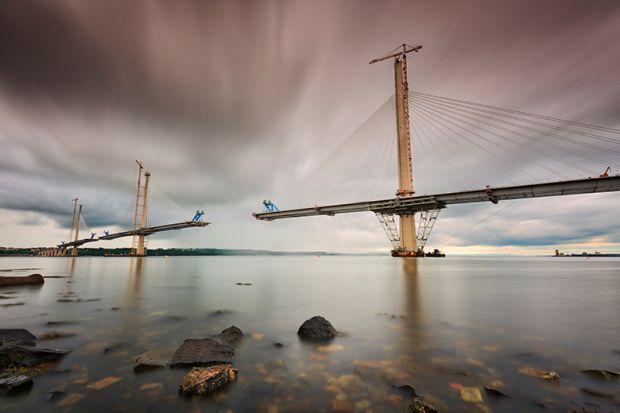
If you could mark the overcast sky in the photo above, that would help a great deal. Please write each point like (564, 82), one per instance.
(228, 103)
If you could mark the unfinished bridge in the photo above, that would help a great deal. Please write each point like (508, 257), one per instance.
(138, 234)
(472, 131)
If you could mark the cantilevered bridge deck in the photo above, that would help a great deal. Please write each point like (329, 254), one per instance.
(141, 231)
(413, 204)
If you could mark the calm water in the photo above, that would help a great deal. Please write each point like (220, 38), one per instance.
(436, 324)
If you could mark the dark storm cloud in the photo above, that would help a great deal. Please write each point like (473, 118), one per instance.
(228, 102)
(54, 201)
(220, 69)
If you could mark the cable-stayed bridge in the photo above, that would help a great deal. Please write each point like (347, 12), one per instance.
(140, 230)
(485, 140)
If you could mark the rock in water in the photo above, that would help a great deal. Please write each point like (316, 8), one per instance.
(53, 335)
(231, 336)
(202, 352)
(14, 383)
(602, 374)
(407, 390)
(30, 279)
(207, 380)
(317, 328)
(146, 361)
(16, 336)
(56, 395)
(419, 405)
(545, 375)
(26, 356)
(596, 393)
(494, 392)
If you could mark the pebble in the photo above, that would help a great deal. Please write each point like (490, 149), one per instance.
(70, 399)
(341, 405)
(471, 394)
(151, 386)
(331, 348)
(103, 383)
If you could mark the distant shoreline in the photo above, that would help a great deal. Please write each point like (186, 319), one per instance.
(179, 252)
(224, 252)
(585, 255)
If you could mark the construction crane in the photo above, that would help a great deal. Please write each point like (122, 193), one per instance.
(269, 206)
(198, 215)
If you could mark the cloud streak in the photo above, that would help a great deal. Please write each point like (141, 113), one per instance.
(230, 102)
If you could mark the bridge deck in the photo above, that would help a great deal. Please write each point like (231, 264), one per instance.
(412, 204)
(144, 231)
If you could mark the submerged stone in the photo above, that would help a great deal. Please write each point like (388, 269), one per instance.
(258, 336)
(330, 348)
(103, 383)
(27, 356)
(217, 313)
(494, 392)
(602, 374)
(16, 336)
(596, 393)
(471, 394)
(113, 347)
(59, 323)
(317, 328)
(419, 405)
(70, 399)
(146, 361)
(545, 375)
(450, 370)
(202, 352)
(341, 405)
(53, 335)
(207, 380)
(407, 390)
(14, 383)
(56, 395)
(231, 336)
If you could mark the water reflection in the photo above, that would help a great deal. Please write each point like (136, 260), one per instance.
(134, 281)
(412, 297)
(400, 318)
(414, 335)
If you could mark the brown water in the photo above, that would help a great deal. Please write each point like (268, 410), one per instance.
(436, 324)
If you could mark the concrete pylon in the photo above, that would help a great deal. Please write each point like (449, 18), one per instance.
(74, 251)
(408, 243)
(140, 251)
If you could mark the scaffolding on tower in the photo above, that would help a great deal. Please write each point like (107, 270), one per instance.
(140, 213)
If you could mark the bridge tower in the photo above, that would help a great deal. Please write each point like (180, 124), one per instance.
(73, 219)
(74, 251)
(407, 244)
(139, 217)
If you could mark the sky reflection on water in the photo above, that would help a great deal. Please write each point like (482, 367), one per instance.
(436, 324)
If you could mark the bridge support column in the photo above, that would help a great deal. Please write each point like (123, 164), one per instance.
(408, 240)
(74, 251)
(408, 244)
(140, 250)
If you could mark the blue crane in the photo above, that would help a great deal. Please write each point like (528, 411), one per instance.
(198, 215)
(270, 206)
